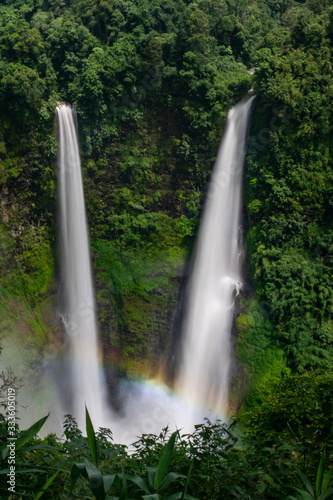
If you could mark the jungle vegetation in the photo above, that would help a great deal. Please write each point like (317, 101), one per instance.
(152, 81)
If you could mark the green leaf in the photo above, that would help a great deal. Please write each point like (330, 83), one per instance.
(151, 475)
(304, 494)
(164, 461)
(3, 447)
(91, 438)
(327, 494)
(170, 478)
(135, 478)
(187, 479)
(305, 481)
(4, 451)
(76, 471)
(46, 486)
(320, 473)
(154, 496)
(326, 480)
(95, 479)
(25, 436)
(123, 493)
(261, 488)
(108, 480)
(285, 447)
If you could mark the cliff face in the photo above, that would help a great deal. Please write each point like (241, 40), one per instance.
(138, 242)
(151, 88)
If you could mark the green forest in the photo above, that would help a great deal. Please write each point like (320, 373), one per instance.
(152, 82)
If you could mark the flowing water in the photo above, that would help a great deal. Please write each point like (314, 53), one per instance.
(215, 278)
(84, 381)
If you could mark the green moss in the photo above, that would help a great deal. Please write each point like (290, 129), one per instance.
(262, 357)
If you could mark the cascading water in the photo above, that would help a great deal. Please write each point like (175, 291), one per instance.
(204, 370)
(86, 383)
(215, 278)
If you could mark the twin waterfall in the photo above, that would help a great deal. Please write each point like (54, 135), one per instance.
(86, 384)
(215, 277)
(203, 374)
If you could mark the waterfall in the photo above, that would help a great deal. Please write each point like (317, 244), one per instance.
(84, 382)
(210, 294)
(215, 277)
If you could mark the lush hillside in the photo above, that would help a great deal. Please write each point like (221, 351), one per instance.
(289, 192)
(149, 83)
(152, 82)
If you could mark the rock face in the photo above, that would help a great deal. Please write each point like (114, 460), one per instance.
(137, 336)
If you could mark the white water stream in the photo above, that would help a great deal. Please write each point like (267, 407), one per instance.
(86, 383)
(215, 277)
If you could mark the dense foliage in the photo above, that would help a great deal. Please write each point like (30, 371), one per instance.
(151, 81)
(290, 186)
(261, 455)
